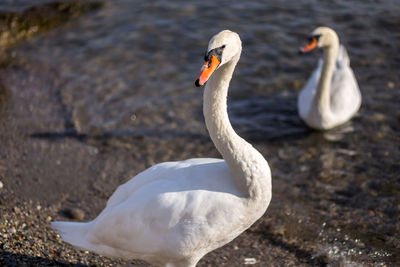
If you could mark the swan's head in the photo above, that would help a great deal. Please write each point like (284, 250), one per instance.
(321, 37)
(222, 48)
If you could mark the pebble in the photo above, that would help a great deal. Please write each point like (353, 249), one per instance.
(390, 85)
(250, 261)
(16, 209)
(333, 136)
(283, 154)
(74, 213)
(6, 245)
(1, 185)
(378, 117)
(303, 168)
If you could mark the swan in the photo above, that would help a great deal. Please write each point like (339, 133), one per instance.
(174, 213)
(331, 96)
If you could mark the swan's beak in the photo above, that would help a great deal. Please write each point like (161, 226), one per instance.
(312, 43)
(207, 70)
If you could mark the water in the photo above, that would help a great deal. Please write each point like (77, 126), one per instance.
(120, 82)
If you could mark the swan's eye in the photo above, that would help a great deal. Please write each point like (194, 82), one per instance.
(207, 56)
(313, 38)
(217, 52)
(317, 37)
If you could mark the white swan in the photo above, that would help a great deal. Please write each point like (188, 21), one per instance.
(174, 213)
(331, 96)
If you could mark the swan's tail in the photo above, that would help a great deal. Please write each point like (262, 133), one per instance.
(74, 233)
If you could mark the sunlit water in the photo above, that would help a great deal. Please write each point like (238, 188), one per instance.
(128, 70)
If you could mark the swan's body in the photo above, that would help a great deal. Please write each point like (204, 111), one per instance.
(173, 213)
(331, 96)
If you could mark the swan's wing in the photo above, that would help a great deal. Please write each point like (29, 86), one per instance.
(192, 203)
(306, 94)
(342, 60)
(345, 93)
(151, 174)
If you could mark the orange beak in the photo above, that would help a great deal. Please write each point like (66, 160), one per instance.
(312, 43)
(207, 70)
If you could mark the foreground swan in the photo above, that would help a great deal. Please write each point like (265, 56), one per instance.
(174, 213)
(331, 96)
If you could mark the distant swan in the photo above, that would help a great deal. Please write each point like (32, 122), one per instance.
(174, 213)
(331, 96)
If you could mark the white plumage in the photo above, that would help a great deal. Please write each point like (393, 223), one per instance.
(331, 95)
(173, 213)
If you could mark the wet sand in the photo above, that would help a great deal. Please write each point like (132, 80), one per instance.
(77, 120)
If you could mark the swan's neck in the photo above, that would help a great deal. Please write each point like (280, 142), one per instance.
(322, 95)
(248, 167)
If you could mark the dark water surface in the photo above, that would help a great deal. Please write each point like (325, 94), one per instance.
(93, 102)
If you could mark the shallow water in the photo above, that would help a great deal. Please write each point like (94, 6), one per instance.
(120, 80)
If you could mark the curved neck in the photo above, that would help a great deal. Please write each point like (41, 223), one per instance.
(248, 167)
(322, 95)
